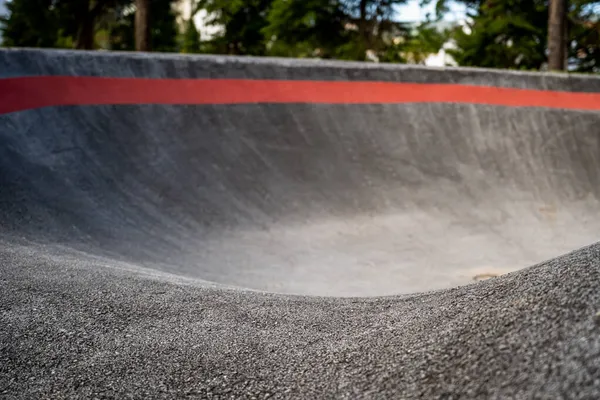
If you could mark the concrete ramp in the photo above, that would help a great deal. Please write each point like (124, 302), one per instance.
(153, 176)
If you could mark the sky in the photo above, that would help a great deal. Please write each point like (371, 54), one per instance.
(412, 12)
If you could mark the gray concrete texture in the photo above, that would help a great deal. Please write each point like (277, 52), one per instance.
(297, 250)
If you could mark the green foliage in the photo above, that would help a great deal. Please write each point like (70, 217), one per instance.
(30, 23)
(513, 34)
(500, 33)
(306, 28)
(375, 31)
(424, 41)
(163, 26)
(61, 23)
(585, 51)
(190, 38)
(584, 29)
(122, 28)
(64, 41)
(241, 23)
(50, 23)
(163, 32)
(504, 34)
(342, 29)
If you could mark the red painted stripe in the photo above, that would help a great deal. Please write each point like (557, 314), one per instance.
(24, 93)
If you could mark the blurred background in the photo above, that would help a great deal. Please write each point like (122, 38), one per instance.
(508, 34)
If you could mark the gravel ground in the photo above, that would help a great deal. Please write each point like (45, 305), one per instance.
(76, 326)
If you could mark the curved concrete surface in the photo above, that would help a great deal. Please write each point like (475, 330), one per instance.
(148, 206)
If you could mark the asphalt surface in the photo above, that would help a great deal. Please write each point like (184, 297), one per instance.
(296, 250)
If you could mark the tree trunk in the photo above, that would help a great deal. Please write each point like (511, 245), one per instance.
(567, 42)
(362, 8)
(85, 28)
(85, 33)
(557, 35)
(86, 18)
(142, 25)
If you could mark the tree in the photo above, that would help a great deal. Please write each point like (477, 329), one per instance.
(345, 29)
(46, 23)
(375, 26)
(86, 13)
(516, 34)
(56, 23)
(142, 25)
(504, 34)
(426, 39)
(583, 31)
(241, 23)
(77, 19)
(162, 27)
(30, 23)
(191, 38)
(342, 29)
(557, 38)
(306, 28)
(76, 24)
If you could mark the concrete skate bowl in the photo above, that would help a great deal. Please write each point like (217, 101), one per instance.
(234, 227)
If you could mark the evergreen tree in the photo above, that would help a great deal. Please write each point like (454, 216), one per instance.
(504, 34)
(162, 21)
(345, 29)
(241, 23)
(190, 38)
(75, 23)
(30, 23)
(307, 28)
(514, 34)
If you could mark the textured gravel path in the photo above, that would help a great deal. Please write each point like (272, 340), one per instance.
(71, 326)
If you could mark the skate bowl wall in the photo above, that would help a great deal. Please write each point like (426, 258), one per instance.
(219, 227)
(299, 177)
